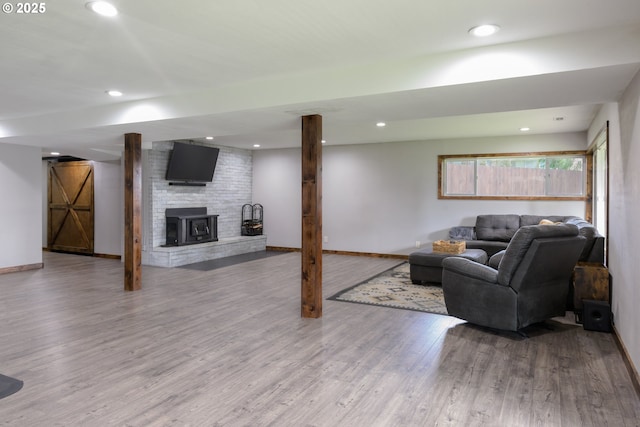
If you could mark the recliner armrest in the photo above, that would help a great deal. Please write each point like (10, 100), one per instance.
(494, 261)
(471, 269)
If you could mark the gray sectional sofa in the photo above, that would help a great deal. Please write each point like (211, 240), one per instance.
(492, 233)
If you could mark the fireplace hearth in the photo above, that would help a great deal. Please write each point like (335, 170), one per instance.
(188, 226)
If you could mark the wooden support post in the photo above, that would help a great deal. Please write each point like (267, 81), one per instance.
(132, 211)
(311, 216)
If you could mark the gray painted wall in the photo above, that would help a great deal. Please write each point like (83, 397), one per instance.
(382, 198)
(21, 195)
(109, 208)
(624, 205)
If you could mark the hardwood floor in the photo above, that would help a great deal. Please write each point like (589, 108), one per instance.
(228, 347)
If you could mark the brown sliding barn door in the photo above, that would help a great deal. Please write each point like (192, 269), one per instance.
(70, 222)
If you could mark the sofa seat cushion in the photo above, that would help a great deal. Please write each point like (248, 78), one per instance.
(426, 265)
(427, 257)
(490, 247)
(497, 227)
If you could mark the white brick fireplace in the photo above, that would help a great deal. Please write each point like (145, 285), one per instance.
(224, 196)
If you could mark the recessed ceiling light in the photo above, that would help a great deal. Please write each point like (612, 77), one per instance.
(55, 153)
(114, 93)
(484, 30)
(102, 8)
(525, 129)
(256, 145)
(209, 138)
(381, 124)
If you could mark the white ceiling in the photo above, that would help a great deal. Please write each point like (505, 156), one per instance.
(244, 71)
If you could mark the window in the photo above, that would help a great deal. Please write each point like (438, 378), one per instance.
(559, 176)
(600, 186)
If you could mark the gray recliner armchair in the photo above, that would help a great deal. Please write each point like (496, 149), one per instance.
(530, 283)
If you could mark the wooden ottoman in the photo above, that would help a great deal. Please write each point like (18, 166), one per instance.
(425, 265)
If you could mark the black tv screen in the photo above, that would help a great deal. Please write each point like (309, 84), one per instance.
(192, 163)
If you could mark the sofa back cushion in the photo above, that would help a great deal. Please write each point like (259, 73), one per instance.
(592, 249)
(589, 232)
(497, 227)
(535, 219)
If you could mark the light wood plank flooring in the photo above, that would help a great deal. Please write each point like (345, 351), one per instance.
(227, 347)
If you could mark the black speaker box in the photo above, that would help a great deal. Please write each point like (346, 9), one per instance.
(596, 316)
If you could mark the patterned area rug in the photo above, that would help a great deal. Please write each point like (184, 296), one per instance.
(393, 288)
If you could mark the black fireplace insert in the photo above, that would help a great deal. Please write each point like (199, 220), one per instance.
(187, 226)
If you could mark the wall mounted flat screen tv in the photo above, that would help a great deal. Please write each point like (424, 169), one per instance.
(192, 163)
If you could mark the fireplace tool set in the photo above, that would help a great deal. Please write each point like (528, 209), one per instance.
(252, 219)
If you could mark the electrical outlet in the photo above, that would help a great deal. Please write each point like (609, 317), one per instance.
(326, 239)
(417, 243)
